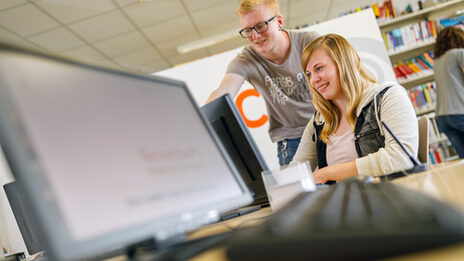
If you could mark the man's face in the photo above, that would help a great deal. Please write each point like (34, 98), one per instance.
(262, 42)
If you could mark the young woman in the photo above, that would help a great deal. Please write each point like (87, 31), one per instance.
(345, 136)
(449, 77)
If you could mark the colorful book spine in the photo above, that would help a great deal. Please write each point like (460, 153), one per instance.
(423, 97)
(411, 35)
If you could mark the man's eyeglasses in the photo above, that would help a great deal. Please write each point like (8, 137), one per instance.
(259, 28)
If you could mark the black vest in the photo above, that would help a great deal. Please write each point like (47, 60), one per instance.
(366, 133)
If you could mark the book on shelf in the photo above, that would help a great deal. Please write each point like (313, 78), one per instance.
(429, 56)
(436, 154)
(440, 148)
(441, 152)
(423, 97)
(384, 11)
(410, 35)
(452, 21)
(413, 67)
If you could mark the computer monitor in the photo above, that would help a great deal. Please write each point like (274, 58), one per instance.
(26, 224)
(108, 158)
(239, 144)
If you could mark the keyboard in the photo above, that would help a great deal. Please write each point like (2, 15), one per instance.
(350, 220)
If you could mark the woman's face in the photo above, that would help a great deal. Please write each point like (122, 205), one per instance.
(323, 75)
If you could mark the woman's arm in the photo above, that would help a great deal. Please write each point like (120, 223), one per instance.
(307, 148)
(335, 172)
(397, 112)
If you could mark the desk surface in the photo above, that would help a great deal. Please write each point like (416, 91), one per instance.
(444, 182)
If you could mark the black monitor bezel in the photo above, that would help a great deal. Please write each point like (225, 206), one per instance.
(224, 108)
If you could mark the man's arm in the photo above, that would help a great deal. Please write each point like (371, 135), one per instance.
(231, 84)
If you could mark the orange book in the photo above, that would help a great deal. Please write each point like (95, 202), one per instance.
(427, 56)
(405, 68)
(413, 66)
(434, 28)
(413, 99)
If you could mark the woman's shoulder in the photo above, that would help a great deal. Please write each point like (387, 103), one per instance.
(455, 50)
(450, 54)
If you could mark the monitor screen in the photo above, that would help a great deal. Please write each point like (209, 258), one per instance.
(239, 144)
(108, 158)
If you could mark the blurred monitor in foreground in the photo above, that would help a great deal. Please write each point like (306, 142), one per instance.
(106, 158)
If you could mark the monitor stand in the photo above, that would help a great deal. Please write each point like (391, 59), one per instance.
(177, 248)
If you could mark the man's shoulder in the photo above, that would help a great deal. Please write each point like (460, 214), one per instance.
(303, 34)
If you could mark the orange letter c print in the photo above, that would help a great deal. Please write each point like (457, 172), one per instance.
(239, 102)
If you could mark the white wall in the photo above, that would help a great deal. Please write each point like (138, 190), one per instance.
(203, 76)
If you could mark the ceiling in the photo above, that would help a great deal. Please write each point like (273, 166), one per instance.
(141, 35)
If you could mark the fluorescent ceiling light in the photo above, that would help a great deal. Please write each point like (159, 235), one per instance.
(208, 41)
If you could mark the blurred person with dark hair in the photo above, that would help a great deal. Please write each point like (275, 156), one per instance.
(449, 77)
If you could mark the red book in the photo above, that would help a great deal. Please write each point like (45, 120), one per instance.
(407, 69)
(403, 71)
(398, 74)
(437, 155)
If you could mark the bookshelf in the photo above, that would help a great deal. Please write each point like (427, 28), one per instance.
(417, 80)
(437, 10)
(409, 49)
(396, 56)
(445, 9)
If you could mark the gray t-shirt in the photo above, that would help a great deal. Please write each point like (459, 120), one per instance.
(450, 82)
(283, 86)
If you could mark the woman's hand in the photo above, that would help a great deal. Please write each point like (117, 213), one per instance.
(335, 172)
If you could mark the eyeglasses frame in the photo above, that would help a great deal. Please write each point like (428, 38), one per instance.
(254, 27)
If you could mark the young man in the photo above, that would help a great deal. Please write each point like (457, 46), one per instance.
(272, 64)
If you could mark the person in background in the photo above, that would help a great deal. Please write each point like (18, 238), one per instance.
(345, 136)
(271, 64)
(448, 71)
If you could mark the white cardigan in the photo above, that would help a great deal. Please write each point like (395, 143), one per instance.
(397, 112)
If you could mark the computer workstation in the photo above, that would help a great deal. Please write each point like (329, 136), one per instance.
(108, 160)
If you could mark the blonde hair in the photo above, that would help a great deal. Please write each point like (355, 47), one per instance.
(247, 6)
(354, 79)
